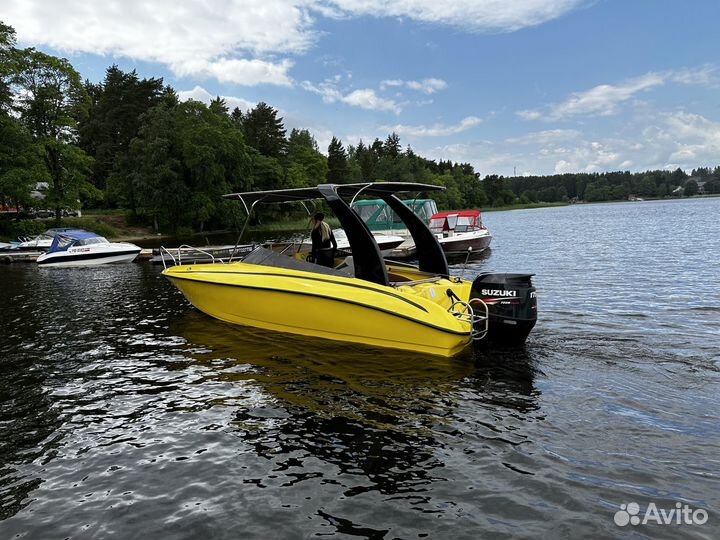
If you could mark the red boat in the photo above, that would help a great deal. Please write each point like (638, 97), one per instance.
(460, 230)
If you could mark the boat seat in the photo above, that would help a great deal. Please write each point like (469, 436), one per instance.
(267, 257)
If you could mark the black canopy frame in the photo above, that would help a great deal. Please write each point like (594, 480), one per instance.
(368, 261)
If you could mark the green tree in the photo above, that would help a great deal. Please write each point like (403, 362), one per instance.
(264, 131)
(183, 159)
(619, 192)
(8, 64)
(237, 117)
(20, 164)
(647, 187)
(691, 188)
(713, 185)
(392, 145)
(366, 159)
(50, 100)
(114, 118)
(218, 106)
(306, 165)
(337, 162)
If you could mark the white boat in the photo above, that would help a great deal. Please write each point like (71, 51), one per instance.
(460, 231)
(83, 248)
(385, 242)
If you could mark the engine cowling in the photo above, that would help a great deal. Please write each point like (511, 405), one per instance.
(512, 306)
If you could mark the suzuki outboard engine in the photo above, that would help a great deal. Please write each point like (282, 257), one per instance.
(512, 306)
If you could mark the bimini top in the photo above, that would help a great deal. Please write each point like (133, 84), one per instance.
(368, 262)
(459, 213)
(64, 241)
(377, 189)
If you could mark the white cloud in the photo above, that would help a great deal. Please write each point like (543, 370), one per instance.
(656, 141)
(544, 137)
(239, 71)
(365, 98)
(704, 75)
(426, 86)
(529, 115)
(236, 40)
(605, 99)
(200, 94)
(227, 39)
(436, 130)
(474, 15)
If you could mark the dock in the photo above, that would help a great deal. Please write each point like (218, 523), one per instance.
(193, 255)
(19, 256)
(186, 255)
(406, 250)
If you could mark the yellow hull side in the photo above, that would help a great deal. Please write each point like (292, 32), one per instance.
(329, 307)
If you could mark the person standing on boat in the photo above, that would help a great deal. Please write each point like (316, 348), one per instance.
(323, 241)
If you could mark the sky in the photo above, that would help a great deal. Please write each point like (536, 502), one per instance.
(512, 87)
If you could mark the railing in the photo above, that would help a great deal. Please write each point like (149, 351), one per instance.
(464, 311)
(177, 261)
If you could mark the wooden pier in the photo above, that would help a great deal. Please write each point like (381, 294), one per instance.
(19, 256)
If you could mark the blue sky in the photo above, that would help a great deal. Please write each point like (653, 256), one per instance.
(536, 86)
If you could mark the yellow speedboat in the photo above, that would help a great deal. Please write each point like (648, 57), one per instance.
(363, 299)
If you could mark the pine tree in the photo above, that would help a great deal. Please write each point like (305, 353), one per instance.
(337, 162)
(392, 145)
(264, 131)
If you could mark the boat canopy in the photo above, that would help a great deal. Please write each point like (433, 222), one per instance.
(379, 216)
(368, 261)
(457, 220)
(464, 213)
(64, 241)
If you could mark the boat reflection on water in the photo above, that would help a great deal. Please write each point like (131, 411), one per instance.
(382, 417)
(314, 373)
(322, 376)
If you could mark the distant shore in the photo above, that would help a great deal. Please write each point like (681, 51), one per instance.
(524, 206)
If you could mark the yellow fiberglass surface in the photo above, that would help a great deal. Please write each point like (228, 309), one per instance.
(410, 316)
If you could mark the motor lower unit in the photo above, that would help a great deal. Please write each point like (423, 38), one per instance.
(512, 306)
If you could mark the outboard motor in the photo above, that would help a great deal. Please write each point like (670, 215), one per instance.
(512, 306)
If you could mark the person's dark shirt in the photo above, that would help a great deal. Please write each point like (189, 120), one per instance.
(321, 249)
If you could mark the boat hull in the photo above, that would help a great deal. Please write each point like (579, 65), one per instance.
(462, 243)
(328, 307)
(91, 259)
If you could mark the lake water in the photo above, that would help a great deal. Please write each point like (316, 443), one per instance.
(125, 413)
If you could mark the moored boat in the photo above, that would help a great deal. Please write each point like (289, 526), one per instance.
(83, 248)
(385, 242)
(460, 231)
(360, 299)
(41, 242)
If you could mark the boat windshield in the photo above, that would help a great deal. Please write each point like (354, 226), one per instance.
(93, 240)
(62, 242)
(378, 216)
(438, 224)
(464, 224)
